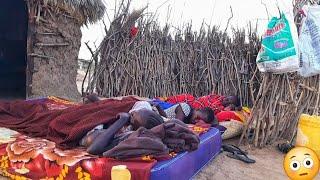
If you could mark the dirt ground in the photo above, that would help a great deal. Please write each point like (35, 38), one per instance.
(268, 166)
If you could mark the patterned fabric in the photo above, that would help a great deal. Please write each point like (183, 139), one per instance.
(22, 157)
(213, 101)
(170, 112)
(180, 98)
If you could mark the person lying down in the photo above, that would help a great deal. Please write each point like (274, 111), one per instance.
(189, 115)
(103, 138)
(181, 110)
(97, 126)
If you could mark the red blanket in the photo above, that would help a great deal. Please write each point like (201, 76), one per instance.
(65, 127)
(213, 101)
(24, 157)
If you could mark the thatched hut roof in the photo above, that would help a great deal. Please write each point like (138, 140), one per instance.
(87, 11)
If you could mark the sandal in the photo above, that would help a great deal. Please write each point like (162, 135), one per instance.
(285, 147)
(232, 148)
(241, 157)
(236, 153)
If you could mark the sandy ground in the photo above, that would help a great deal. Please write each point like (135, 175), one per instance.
(268, 166)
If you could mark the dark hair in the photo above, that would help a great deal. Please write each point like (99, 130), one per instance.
(187, 120)
(152, 119)
(210, 115)
(237, 101)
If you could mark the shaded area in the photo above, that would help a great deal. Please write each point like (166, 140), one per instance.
(13, 38)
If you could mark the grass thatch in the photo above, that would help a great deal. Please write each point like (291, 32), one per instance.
(89, 10)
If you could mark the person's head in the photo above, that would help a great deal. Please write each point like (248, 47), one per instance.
(91, 98)
(231, 100)
(145, 118)
(206, 114)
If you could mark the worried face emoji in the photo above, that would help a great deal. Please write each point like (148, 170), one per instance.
(301, 163)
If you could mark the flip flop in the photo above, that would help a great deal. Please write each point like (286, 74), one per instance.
(241, 157)
(285, 147)
(232, 148)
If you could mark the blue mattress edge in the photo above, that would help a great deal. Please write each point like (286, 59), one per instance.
(204, 140)
(174, 169)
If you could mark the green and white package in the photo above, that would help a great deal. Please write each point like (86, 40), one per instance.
(279, 52)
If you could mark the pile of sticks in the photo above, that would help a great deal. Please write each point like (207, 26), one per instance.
(280, 102)
(167, 61)
(278, 105)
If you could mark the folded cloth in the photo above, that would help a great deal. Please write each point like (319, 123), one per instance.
(227, 116)
(142, 142)
(173, 135)
(173, 130)
(174, 144)
(65, 127)
(162, 104)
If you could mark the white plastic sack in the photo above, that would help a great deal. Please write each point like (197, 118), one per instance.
(279, 48)
(234, 128)
(309, 42)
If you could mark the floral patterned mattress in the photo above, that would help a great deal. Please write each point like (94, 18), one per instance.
(22, 157)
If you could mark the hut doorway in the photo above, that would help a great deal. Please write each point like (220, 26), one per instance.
(13, 48)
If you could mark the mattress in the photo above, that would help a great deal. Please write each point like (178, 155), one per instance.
(23, 157)
(186, 165)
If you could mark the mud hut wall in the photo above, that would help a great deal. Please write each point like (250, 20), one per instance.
(53, 47)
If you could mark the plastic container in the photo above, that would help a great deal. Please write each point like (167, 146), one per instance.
(120, 172)
(308, 133)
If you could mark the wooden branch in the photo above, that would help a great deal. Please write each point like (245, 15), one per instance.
(47, 33)
(229, 19)
(265, 6)
(41, 56)
(52, 45)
